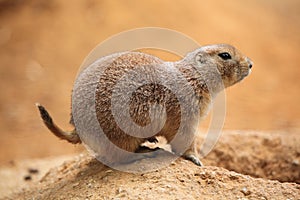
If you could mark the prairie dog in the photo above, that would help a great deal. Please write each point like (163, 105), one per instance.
(203, 73)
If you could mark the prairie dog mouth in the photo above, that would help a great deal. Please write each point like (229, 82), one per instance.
(249, 72)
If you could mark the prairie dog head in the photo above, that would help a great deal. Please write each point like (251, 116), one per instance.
(232, 65)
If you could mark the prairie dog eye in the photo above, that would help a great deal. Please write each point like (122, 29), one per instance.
(225, 56)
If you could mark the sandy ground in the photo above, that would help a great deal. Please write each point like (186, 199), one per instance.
(82, 177)
(42, 45)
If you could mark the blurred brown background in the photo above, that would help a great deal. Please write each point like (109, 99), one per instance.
(42, 44)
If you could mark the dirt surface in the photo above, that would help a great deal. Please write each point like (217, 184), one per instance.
(82, 177)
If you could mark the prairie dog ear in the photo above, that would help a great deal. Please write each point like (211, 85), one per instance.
(200, 58)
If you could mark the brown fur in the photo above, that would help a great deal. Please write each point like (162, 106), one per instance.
(202, 66)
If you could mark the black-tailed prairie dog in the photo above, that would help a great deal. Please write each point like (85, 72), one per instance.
(184, 91)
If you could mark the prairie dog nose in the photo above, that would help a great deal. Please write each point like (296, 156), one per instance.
(250, 62)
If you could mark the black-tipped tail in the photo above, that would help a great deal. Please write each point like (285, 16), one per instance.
(71, 137)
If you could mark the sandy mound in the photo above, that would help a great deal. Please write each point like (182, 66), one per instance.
(260, 155)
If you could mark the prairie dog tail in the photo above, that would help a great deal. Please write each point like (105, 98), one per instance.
(71, 136)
